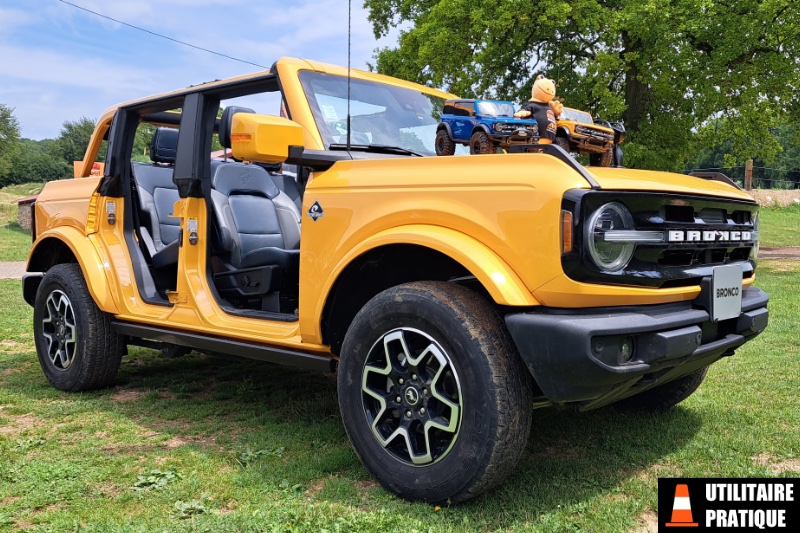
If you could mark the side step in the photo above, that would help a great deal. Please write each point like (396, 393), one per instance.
(208, 343)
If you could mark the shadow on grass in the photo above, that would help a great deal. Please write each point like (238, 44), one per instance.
(227, 406)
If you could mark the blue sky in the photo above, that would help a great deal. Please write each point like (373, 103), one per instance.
(59, 63)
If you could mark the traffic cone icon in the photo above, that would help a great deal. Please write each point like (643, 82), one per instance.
(682, 508)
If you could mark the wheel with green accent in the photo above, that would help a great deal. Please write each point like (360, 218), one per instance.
(76, 346)
(434, 396)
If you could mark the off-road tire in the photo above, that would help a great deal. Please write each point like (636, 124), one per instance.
(602, 159)
(563, 142)
(494, 395)
(77, 348)
(664, 396)
(480, 143)
(444, 144)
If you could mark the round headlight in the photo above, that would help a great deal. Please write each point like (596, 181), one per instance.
(610, 256)
(499, 126)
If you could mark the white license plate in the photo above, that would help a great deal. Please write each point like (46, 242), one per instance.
(726, 287)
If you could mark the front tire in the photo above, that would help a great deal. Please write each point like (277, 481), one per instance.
(563, 142)
(480, 143)
(444, 144)
(77, 348)
(666, 396)
(603, 159)
(433, 394)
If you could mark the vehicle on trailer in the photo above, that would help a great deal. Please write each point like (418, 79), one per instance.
(483, 125)
(578, 133)
(451, 295)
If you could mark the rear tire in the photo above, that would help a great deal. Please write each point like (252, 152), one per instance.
(665, 396)
(444, 144)
(77, 348)
(480, 143)
(433, 394)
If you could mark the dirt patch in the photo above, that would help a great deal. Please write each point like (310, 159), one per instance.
(126, 396)
(647, 522)
(9, 500)
(776, 464)
(773, 197)
(315, 488)
(19, 424)
(561, 450)
(787, 252)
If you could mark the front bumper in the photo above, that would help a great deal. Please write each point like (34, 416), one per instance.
(601, 355)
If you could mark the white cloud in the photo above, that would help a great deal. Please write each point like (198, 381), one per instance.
(62, 63)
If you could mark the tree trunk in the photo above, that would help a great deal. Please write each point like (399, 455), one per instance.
(637, 93)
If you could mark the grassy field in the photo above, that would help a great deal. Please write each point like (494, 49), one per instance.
(204, 443)
(780, 226)
(15, 241)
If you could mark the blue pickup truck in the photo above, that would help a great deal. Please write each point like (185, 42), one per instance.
(483, 125)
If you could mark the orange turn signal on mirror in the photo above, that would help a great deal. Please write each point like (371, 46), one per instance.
(566, 231)
(240, 137)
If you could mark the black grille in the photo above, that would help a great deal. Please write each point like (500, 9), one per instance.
(666, 264)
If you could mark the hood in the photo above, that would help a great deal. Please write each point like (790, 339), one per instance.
(648, 180)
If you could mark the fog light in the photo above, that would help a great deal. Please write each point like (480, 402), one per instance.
(625, 350)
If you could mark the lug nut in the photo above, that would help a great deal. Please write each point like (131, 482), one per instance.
(422, 410)
(401, 381)
(414, 377)
(398, 399)
(425, 392)
(408, 414)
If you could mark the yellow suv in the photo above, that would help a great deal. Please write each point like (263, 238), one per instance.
(452, 295)
(578, 133)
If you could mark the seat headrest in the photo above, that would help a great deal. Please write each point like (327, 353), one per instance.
(164, 145)
(225, 123)
(238, 178)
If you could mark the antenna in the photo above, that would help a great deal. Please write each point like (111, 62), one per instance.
(349, 9)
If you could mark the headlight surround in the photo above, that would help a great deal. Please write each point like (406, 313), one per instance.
(609, 256)
(499, 126)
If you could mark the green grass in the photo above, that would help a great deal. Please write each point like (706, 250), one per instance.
(205, 443)
(16, 243)
(780, 226)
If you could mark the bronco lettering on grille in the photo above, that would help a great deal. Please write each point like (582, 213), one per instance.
(709, 236)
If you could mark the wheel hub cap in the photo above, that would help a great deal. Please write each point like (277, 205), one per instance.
(59, 330)
(411, 397)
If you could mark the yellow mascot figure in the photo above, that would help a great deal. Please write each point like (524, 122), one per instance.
(543, 107)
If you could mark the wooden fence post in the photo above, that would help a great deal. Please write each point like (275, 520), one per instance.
(748, 175)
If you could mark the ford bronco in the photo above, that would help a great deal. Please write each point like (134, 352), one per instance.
(578, 133)
(452, 295)
(483, 125)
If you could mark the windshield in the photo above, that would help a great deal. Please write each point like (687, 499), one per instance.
(573, 114)
(380, 114)
(496, 109)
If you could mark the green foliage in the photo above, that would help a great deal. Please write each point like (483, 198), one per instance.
(73, 140)
(665, 66)
(9, 139)
(35, 162)
(247, 457)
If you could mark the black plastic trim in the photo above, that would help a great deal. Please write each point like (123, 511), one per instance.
(251, 350)
(572, 354)
(316, 160)
(30, 284)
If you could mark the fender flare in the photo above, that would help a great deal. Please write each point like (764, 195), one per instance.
(499, 279)
(91, 260)
(481, 127)
(445, 126)
(564, 132)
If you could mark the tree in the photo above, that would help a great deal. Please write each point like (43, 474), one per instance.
(665, 66)
(73, 140)
(9, 140)
(34, 162)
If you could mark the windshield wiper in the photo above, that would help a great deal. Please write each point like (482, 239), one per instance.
(378, 148)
